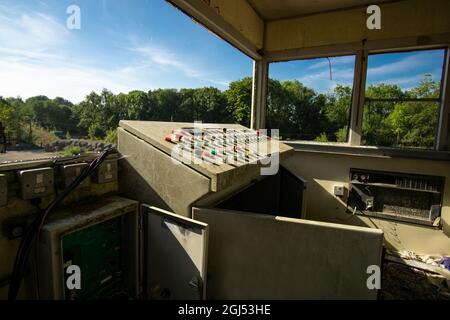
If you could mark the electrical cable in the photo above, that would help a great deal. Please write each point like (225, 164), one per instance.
(33, 231)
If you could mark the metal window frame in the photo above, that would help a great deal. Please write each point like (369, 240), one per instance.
(441, 136)
(362, 51)
(358, 82)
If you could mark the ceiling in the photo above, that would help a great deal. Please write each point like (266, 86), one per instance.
(279, 9)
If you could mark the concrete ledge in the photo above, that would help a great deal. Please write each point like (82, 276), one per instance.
(368, 151)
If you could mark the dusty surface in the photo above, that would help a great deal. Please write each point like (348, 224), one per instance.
(14, 156)
(401, 282)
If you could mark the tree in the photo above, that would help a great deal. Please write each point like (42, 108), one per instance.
(210, 105)
(13, 115)
(90, 113)
(239, 100)
(337, 111)
(415, 122)
(295, 109)
(377, 129)
(138, 105)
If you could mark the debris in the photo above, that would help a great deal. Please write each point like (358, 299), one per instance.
(445, 263)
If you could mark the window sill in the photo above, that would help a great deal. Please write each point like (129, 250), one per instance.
(367, 151)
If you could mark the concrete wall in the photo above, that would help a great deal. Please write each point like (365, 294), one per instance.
(323, 171)
(410, 18)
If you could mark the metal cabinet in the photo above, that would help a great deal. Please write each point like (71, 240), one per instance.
(226, 254)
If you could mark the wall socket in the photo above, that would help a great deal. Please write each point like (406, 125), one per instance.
(71, 171)
(338, 190)
(106, 172)
(36, 183)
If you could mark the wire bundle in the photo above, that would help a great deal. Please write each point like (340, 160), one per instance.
(33, 231)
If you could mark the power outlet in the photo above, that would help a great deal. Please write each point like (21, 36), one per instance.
(106, 172)
(71, 171)
(36, 183)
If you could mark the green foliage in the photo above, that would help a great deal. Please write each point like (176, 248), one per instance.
(111, 136)
(321, 138)
(337, 111)
(72, 151)
(239, 99)
(409, 124)
(41, 136)
(98, 113)
(342, 134)
(13, 116)
(298, 111)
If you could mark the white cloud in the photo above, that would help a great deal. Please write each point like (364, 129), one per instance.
(407, 82)
(31, 31)
(408, 64)
(32, 62)
(317, 75)
(69, 81)
(324, 63)
(156, 56)
(337, 74)
(35, 60)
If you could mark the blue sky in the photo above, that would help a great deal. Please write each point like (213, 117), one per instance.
(122, 46)
(148, 44)
(405, 69)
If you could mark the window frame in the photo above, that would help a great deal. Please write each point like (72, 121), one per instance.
(436, 100)
(324, 56)
(361, 51)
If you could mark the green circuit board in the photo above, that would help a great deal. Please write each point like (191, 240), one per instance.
(97, 250)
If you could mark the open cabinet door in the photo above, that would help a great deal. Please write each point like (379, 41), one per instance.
(175, 251)
(254, 256)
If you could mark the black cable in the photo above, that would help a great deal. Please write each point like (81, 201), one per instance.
(33, 231)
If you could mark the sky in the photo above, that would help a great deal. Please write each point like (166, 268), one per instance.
(148, 44)
(405, 69)
(121, 46)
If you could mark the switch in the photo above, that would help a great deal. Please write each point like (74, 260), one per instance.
(71, 171)
(36, 183)
(3, 190)
(106, 172)
(338, 191)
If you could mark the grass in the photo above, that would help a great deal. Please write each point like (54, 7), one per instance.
(73, 151)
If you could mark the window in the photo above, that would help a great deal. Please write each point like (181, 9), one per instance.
(311, 99)
(403, 99)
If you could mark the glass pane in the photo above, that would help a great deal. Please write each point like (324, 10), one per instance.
(402, 102)
(311, 99)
